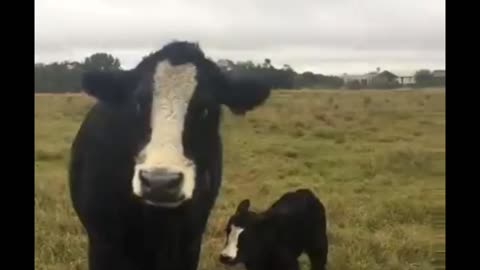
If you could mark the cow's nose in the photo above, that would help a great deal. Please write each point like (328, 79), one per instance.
(160, 179)
(225, 259)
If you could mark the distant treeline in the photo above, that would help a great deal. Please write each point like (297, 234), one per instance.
(281, 78)
(65, 76)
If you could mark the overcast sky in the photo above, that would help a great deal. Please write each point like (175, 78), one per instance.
(326, 36)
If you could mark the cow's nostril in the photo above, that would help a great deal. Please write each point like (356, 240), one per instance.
(226, 259)
(175, 181)
(143, 175)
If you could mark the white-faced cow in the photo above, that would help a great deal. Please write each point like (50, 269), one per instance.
(274, 239)
(146, 164)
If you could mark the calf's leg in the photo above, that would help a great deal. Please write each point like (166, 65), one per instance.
(317, 253)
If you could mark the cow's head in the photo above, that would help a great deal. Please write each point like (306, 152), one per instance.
(248, 235)
(174, 97)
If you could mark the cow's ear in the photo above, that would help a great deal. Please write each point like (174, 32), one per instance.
(243, 206)
(109, 86)
(243, 94)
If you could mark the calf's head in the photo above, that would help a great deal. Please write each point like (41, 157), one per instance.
(248, 235)
(171, 101)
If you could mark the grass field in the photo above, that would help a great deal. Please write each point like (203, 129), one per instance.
(375, 158)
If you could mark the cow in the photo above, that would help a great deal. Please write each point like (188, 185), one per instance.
(275, 238)
(146, 163)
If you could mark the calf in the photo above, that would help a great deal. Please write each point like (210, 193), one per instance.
(274, 239)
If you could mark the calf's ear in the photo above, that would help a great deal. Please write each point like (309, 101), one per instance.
(243, 206)
(109, 86)
(243, 94)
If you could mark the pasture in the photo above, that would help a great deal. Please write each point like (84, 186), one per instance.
(375, 158)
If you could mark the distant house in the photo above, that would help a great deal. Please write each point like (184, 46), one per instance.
(384, 78)
(371, 79)
(406, 79)
(438, 73)
(363, 80)
(439, 77)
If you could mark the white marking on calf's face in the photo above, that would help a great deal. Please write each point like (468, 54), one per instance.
(231, 248)
(173, 87)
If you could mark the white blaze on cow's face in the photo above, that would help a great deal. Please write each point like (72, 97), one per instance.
(231, 247)
(173, 87)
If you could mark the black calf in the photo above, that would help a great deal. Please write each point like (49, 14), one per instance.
(274, 239)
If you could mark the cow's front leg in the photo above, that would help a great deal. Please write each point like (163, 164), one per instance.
(190, 254)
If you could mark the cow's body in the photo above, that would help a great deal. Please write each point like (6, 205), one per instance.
(131, 223)
(274, 239)
(102, 166)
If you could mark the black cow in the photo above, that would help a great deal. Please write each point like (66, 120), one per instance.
(146, 164)
(275, 239)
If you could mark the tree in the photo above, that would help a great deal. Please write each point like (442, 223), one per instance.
(353, 84)
(288, 67)
(101, 61)
(267, 63)
(246, 65)
(226, 64)
(311, 80)
(58, 77)
(423, 77)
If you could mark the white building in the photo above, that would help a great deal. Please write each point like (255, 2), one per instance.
(405, 78)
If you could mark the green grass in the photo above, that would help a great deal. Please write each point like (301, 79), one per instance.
(375, 158)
